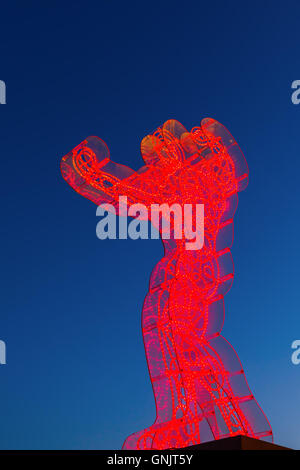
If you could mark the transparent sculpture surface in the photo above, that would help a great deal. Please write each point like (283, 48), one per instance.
(199, 385)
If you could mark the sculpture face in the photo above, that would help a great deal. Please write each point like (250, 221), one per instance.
(198, 382)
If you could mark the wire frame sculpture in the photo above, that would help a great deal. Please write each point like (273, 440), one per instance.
(199, 384)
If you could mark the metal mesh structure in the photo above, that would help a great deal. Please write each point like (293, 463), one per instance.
(199, 385)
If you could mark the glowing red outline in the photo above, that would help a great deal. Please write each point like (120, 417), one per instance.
(199, 386)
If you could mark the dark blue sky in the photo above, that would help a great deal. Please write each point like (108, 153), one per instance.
(76, 374)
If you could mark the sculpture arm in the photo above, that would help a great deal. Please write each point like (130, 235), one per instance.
(88, 169)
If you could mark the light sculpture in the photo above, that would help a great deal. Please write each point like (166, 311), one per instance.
(199, 385)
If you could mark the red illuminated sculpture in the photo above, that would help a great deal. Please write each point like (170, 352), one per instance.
(199, 385)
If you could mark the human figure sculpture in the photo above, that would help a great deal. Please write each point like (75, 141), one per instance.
(199, 385)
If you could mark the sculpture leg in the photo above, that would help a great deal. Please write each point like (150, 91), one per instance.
(179, 415)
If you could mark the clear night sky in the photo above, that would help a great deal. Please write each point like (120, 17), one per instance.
(76, 374)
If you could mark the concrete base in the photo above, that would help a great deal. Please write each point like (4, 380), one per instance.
(237, 443)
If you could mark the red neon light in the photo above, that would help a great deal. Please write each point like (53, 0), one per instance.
(200, 389)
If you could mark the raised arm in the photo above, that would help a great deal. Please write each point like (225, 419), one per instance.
(88, 169)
